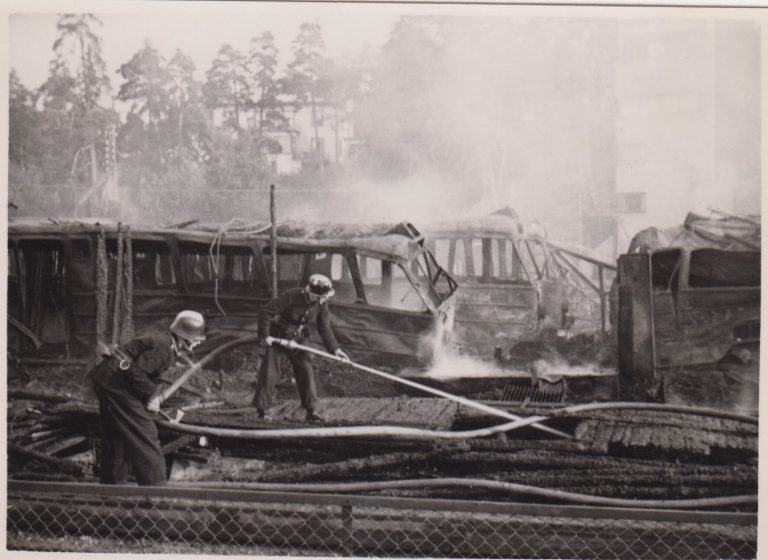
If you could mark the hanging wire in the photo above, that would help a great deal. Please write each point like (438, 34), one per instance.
(231, 225)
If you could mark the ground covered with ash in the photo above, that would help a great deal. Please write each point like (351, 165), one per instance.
(632, 454)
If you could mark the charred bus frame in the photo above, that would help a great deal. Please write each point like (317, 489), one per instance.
(513, 285)
(73, 283)
(681, 306)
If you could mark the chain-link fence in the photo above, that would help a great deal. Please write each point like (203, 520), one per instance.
(93, 518)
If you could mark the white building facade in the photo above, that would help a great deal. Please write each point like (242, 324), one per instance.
(687, 122)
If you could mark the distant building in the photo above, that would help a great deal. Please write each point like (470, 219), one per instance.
(687, 122)
(299, 144)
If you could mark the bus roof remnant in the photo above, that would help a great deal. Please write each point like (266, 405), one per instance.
(729, 233)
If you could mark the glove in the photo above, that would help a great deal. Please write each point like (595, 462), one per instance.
(153, 405)
(343, 355)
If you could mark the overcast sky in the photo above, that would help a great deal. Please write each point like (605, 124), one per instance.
(198, 33)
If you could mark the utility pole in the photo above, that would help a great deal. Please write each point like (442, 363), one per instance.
(273, 239)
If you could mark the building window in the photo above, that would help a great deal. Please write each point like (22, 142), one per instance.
(630, 203)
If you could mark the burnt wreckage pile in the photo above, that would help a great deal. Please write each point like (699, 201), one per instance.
(393, 300)
(614, 454)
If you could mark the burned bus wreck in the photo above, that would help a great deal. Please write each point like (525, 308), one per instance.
(534, 310)
(515, 284)
(74, 283)
(689, 311)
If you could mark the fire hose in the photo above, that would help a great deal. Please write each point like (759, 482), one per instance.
(196, 366)
(357, 431)
(174, 424)
(418, 433)
(292, 345)
(495, 485)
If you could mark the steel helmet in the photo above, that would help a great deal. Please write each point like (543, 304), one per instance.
(190, 326)
(320, 286)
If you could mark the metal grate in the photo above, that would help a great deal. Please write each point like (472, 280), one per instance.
(93, 518)
(547, 393)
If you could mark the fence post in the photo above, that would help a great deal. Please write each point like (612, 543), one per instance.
(347, 524)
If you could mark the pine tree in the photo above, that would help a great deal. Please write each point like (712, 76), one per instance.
(79, 46)
(226, 85)
(305, 77)
(187, 116)
(263, 65)
(147, 85)
(22, 123)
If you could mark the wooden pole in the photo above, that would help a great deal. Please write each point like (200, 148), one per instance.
(102, 300)
(273, 239)
(603, 300)
(93, 172)
(118, 297)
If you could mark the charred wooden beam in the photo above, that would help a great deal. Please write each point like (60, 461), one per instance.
(55, 361)
(65, 445)
(352, 466)
(22, 394)
(26, 454)
(177, 443)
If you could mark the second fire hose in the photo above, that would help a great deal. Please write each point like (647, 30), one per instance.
(292, 345)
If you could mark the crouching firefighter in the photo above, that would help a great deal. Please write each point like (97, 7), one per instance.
(125, 383)
(288, 317)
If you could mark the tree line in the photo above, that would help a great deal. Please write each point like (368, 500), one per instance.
(426, 100)
(59, 132)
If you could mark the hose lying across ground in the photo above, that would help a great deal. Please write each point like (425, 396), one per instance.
(416, 433)
(517, 422)
(495, 485)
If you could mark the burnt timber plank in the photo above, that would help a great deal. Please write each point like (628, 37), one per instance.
(62, 464)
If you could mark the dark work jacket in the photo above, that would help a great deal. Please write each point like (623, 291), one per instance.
(150, 356)
(292, 312)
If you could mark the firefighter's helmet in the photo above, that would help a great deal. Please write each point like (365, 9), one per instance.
(189, 326)
(320, 286)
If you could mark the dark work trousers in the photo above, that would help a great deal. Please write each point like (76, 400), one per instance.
(128, 436)
(269, 373)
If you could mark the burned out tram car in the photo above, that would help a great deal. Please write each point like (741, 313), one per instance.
(72, 283)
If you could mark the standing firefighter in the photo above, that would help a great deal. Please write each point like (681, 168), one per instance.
(287, 317)
(126, 383)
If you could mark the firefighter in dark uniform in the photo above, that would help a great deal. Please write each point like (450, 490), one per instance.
(288, 316)
(125, 383)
